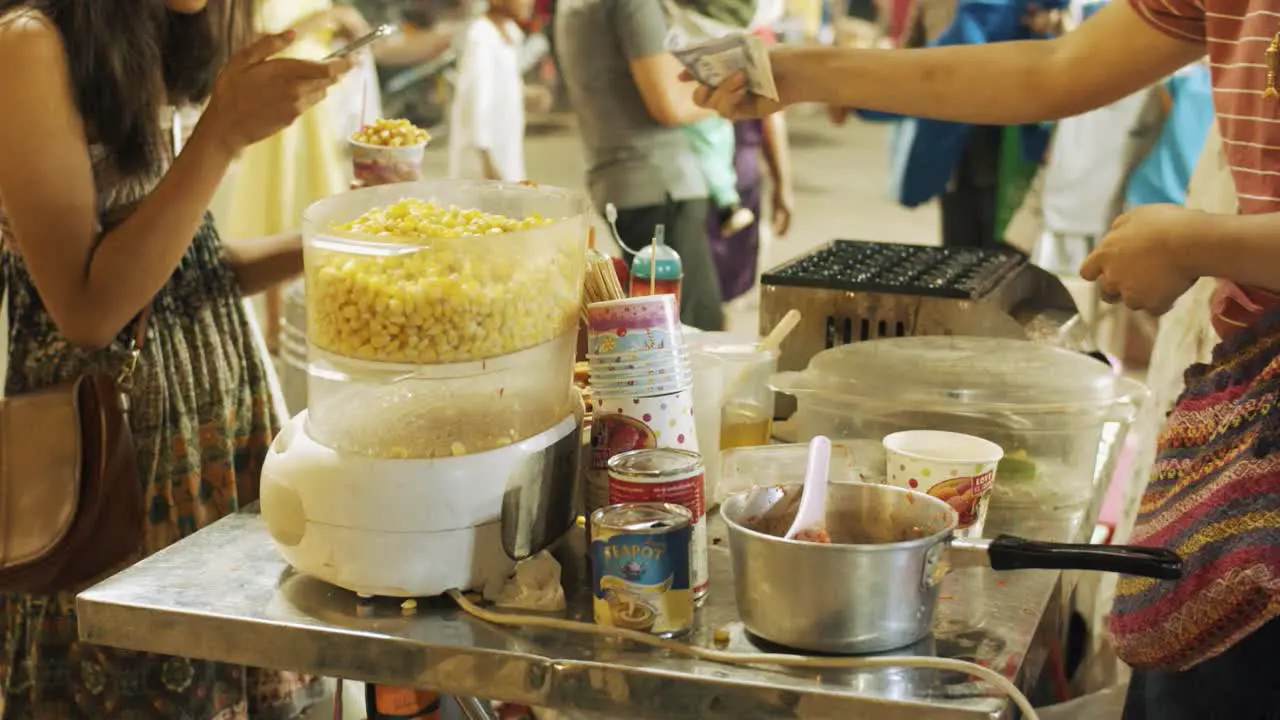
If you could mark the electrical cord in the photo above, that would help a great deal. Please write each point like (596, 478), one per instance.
(736, 658)
(611, 214)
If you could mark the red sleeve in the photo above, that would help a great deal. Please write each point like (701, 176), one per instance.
(1179, 19)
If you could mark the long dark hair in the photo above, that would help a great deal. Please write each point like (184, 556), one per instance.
(129, 58)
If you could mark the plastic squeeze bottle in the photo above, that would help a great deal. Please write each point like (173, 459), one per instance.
(657, 269)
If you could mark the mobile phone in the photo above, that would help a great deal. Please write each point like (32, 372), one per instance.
(379, 33)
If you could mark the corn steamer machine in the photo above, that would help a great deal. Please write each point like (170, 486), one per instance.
(442, 438)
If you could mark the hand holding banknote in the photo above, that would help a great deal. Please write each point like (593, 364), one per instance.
(714, 61)
(735, 73)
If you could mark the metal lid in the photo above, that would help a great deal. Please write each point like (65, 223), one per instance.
(655, 462)
(960, 374)
(641, 517)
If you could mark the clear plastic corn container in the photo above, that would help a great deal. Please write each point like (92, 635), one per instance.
(443, 271)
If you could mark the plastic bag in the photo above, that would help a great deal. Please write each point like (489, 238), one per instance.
(1105, 704)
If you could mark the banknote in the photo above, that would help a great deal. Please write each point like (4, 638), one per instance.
(713, 61)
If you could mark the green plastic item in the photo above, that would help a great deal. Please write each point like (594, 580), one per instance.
(1015, 177)
(1016, 467)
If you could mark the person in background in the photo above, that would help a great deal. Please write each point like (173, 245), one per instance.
(487, 119)
(275, 180)
(737, 254)
(622, 84)
(414, 44)
(358, 98)
(1203, 646)
(103, 222)
(280, 177)
(547, 8)
(713, 142)
(712, 139)
(964, 166)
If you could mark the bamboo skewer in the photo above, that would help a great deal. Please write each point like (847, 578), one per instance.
(653, 262)
(600, 282)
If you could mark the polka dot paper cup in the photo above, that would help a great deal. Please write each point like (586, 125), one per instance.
(956, 468)
(622, 423)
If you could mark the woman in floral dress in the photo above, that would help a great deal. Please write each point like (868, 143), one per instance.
(93, 229)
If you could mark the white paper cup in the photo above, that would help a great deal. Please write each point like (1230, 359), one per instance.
(644, 388)
(384, 165)
(959, 469)
(622, 372)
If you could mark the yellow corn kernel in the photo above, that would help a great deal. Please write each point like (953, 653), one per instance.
(445, 304)
(391, 133)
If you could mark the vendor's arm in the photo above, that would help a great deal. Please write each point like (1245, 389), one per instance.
(1242, 248)
(262, 263)
(1116, 53)
(1154, 253)
(642, 32)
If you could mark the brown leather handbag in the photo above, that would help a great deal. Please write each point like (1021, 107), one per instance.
(71, 502)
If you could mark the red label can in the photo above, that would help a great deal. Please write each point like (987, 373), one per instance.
(667, 475)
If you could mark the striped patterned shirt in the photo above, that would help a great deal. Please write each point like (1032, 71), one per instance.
(1236, 34)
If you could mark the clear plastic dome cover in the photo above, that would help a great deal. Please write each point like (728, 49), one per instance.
(963, 374)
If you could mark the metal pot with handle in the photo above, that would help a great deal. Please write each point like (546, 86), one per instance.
(874, 587)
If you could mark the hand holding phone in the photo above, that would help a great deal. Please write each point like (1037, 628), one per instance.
(257, 94)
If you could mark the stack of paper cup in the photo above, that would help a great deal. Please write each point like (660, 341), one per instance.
(635, 348)
(641, 383)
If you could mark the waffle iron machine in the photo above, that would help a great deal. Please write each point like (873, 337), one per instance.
(852, 291)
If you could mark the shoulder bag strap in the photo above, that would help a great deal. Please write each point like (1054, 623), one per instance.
(140, 328)
(130, 365)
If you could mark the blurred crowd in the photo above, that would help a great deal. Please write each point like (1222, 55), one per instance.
(473, 72)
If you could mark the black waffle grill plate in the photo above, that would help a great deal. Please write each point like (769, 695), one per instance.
(874, 267)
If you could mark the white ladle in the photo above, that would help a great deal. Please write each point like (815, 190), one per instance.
(812, 514)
